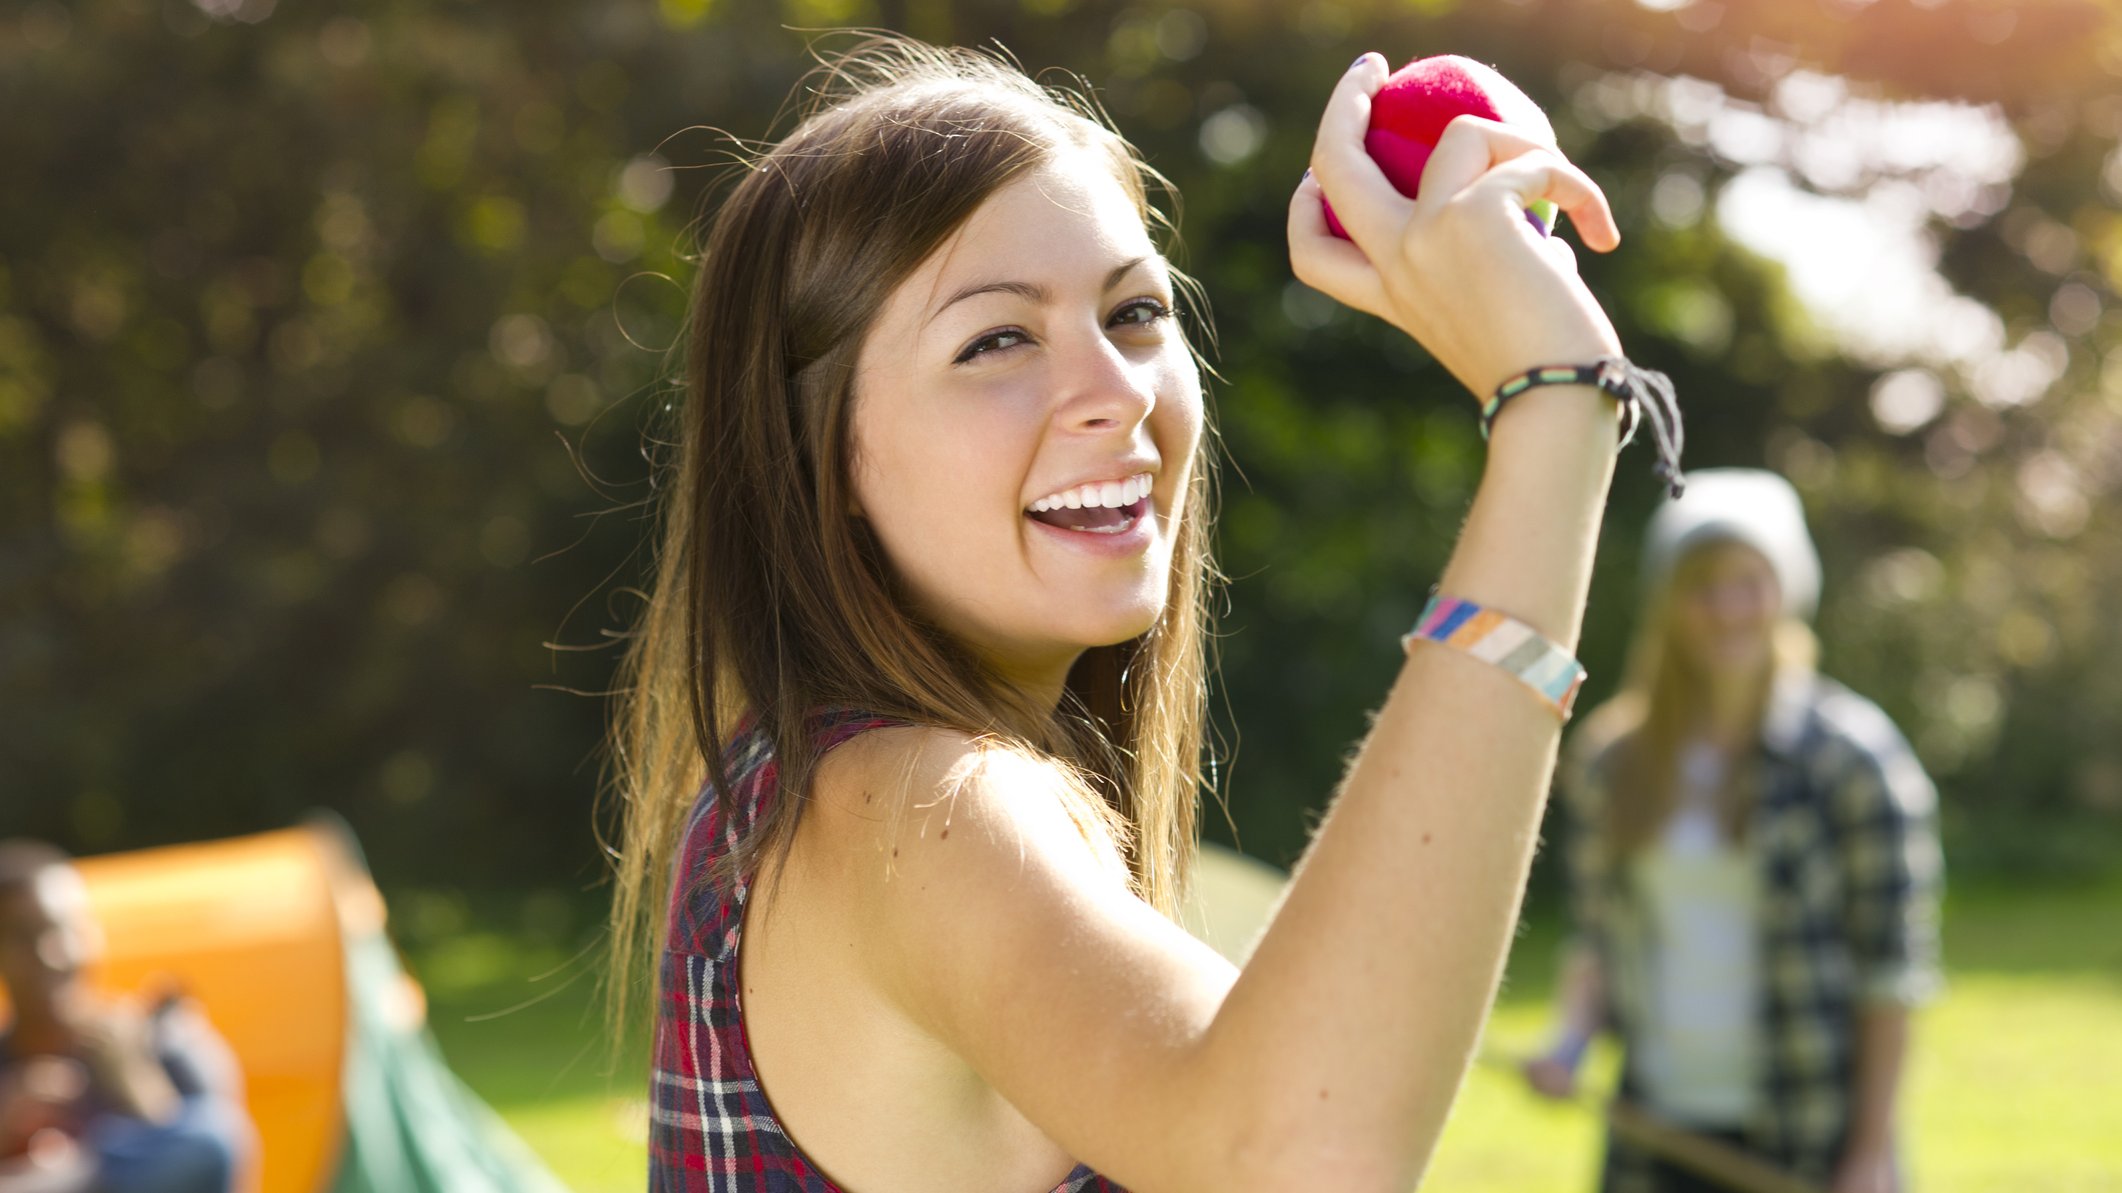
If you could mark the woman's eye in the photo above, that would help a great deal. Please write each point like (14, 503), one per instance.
(1142, 312)
(994, 341)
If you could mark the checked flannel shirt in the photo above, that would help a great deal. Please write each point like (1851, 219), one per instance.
(711, 1128)
(1844, 833)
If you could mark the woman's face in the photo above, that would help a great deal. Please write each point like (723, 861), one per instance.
(1726, 603)
(1025, 419)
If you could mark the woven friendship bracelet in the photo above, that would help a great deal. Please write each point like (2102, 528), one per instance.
(1646, 397)
(1504, 641)
(1593, 375)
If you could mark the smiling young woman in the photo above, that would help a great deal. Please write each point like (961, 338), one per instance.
(910, 747)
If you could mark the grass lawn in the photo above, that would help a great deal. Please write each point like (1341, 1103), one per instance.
(2015, 1084)
(2015, 1080)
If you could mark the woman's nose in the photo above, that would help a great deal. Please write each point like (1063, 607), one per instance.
(1740, 605)
(1102, 388)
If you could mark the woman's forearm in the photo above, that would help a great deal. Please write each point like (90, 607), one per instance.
(1580, 998)
(1882, 1047)
(1369, 988)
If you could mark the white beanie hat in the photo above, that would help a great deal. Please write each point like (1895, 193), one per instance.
(1743, 505)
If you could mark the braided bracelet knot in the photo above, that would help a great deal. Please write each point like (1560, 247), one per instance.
(1645, 396)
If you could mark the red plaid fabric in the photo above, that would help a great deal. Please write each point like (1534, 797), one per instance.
(710, 1127)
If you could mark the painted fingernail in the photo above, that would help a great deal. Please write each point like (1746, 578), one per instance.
(1307, 177)
(1359, 60)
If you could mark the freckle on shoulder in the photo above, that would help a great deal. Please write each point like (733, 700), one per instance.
(885, 775)
(915, 783)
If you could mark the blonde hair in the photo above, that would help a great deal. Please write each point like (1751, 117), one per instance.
(771, 600)
(1642, 728)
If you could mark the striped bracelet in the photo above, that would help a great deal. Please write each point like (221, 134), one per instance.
(1505, 641)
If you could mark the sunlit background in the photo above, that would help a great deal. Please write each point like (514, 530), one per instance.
(328, 338)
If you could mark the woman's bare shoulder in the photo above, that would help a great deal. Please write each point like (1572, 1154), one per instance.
(907, 792)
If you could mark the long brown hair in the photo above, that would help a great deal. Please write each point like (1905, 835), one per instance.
(1644, 726)
(769, 598)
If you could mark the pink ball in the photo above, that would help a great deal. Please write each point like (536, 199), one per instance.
(1409, 114)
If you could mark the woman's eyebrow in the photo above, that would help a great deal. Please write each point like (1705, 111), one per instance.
(1031, 291)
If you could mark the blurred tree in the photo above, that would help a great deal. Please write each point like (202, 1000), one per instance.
(327, 344)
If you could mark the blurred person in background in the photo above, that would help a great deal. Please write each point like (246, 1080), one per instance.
(1754, 864)
(97, 1093)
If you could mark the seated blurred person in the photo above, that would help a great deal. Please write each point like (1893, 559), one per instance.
(98, 1095)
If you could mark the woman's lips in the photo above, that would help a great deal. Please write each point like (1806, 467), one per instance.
(1092, 519)
(1126, 538)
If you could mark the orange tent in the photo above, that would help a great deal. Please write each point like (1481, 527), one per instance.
(280, 938)
(253, 928)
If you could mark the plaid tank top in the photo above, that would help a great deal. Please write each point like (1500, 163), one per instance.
(711, 1129)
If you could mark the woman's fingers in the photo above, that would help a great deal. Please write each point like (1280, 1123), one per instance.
(1368, 205)
(1558, 248)
(1469, 148)
(1453, 268)
(1549, 1078)
(1326, 262)
(1374, 212)
(1546, 174)
(1472, 149)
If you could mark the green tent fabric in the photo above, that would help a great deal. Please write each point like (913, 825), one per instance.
(411, 1125)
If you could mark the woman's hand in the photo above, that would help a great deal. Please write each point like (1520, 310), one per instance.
(1551, 1076)
(1868, 1169)
(1459, 269)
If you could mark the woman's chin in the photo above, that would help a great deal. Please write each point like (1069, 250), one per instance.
(1126, 629)
(1739, 661)
(1108, 626)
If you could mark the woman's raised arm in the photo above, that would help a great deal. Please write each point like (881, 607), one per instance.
(1404, 905)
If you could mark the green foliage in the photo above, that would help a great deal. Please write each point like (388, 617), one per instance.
(327, 344)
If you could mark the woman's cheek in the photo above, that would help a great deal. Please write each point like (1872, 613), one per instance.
(1186, 406)
(1181, 440)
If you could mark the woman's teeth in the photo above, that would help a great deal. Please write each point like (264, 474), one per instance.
(1106, 494)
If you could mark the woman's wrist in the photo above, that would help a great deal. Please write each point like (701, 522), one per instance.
(1871, 1144)
(1584, 404)
(1568, 1049)
(1643, 400)
(1488, 365)
(1556, 425)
